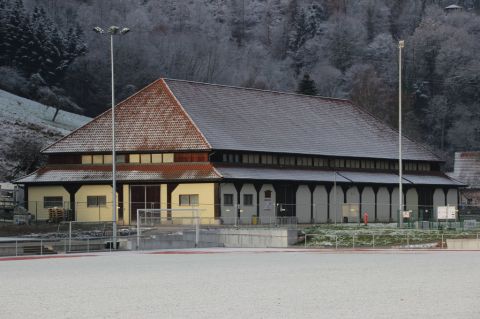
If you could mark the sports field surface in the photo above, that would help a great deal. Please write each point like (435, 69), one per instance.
(243, 283)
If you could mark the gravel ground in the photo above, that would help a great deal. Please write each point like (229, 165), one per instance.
(244, 284)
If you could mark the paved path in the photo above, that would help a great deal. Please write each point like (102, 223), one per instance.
(243, 283)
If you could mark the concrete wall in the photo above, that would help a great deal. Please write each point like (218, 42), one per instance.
(368, 203)
(466, 244)
(383, 205)
(36, 195)
(412, 201)
(438, 200)
(336, 214)
(97, 213)
(304, 204)
(320, 201)
(452, 197)
(395, 203)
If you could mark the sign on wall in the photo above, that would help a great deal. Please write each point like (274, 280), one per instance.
(446, 212)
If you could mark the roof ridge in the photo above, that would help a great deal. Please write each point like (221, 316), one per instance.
(100, 115)
(261, 90)
(186, 113)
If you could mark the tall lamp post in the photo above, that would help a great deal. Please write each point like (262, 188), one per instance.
(113, 30)
(401, 45)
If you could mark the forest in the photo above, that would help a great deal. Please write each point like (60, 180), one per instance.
(347, 48)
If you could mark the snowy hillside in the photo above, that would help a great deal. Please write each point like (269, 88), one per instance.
(23, 118)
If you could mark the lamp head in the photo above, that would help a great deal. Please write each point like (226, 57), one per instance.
(124, 31)
(98, 30)
(113, 29)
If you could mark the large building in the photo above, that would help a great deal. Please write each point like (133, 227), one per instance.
(237, 152)
(467, 170)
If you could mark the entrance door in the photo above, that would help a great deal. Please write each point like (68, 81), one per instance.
(286, 198)
(143, 197)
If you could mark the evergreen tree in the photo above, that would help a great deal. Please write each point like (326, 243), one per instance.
(307, 86)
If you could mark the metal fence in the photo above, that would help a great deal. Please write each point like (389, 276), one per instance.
(306, 213)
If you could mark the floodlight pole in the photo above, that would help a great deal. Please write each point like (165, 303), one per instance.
(401, 45)
(335, 194)
(113, 30)
(114, 164)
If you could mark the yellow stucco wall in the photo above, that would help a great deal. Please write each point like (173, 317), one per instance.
(36, 195)
(126, 204)
(163, 196)
(205, 198)
(90, 214)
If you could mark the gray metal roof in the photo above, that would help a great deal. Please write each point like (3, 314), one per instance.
(369, 177)
(431, 180)
(311, 175)
(278, 174)
(233, 118)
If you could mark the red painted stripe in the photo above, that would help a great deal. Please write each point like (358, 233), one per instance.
(41, 257)
(178, 252)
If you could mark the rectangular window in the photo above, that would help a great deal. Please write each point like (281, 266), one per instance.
(247, 199)
(188, 200)
(120, 158)
(281, 160)
(134, 158)
(107, 159)
(168, 158)
(245, 158)
(97, 159)
(339, 163)
(157, 158)
(230, 158)
(86, 159)
(368, 164)
(96, 201)
(145, 158)
(228, 199)
(52, 201)
(264, 159)
(319, 162)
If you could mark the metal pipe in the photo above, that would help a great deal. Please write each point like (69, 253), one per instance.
(401, 45)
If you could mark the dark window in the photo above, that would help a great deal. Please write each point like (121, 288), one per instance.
(228, 199)
(188, 200)
(52, 201)
(96, 201)
(121, 158)
(268, 194)
(248, 199)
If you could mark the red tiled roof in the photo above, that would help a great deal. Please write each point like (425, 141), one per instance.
(150, 120)
(125, 172)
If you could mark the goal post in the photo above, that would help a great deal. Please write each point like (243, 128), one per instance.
(155, 216)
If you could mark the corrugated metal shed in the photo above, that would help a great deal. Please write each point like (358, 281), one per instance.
(234, 118)
(467, 168)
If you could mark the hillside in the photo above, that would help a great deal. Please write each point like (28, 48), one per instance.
(25, 121)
